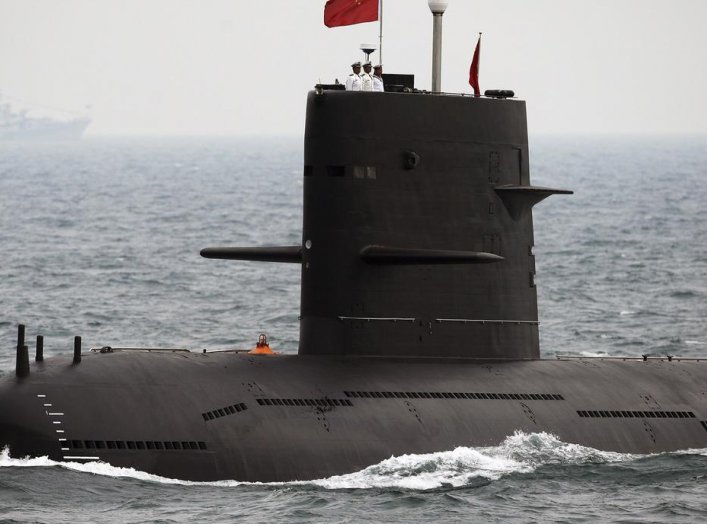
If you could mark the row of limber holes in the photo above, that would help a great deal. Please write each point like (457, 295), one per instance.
(316, 402)
(475, 396)
(636, 414)
(222, 412)
(136, 444)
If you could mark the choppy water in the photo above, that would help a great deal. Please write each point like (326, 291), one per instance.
(101, 239)
(530, 478)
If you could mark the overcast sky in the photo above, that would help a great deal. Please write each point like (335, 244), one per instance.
(216, 67)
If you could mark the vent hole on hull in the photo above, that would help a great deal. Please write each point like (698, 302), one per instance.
(228, 410)
(636, 414)
(452, 396)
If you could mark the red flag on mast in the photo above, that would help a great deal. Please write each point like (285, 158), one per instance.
(349, 12)
(474, 69)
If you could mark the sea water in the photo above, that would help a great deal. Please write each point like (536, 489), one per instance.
(101, 239)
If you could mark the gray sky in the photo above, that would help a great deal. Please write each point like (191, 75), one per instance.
(214, 67)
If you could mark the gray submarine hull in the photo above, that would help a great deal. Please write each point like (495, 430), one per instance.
(418, 325)
(220, 416)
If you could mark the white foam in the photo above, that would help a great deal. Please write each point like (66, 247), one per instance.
(519, 453)
(692, 451)
(95, 468)
(455, 468)
(593, 354)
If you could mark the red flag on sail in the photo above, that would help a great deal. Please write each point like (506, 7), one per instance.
(349, 12)
(474, 69)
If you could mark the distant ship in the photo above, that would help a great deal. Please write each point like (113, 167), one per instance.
(17, 124)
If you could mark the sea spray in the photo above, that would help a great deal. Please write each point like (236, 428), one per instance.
(519, 453)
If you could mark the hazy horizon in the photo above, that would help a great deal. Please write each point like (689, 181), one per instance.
(300, 135)
(236, 68)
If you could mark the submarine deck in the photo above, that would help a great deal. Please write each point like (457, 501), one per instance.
(177, 413)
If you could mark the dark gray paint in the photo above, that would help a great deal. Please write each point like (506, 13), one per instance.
(141, 396)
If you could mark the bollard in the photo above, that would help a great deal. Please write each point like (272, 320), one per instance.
(77, 350)
(22, 363)
(20, 336)
(39, 355)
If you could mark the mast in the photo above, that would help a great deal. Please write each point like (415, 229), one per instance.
(437, 7)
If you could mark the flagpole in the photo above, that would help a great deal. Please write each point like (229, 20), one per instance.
(380, 32)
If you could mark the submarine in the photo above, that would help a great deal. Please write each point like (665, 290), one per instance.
(418, 324)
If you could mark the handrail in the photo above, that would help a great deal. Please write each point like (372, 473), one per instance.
(111, 349)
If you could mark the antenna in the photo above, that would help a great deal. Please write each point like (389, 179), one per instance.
(368, 50)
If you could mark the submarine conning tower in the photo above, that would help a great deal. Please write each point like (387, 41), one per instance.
(418, 233)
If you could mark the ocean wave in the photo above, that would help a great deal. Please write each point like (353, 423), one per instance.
(95, 468)
(520, 453)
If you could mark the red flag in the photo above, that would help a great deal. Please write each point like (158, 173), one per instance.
(474, 69)
(348, 12)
